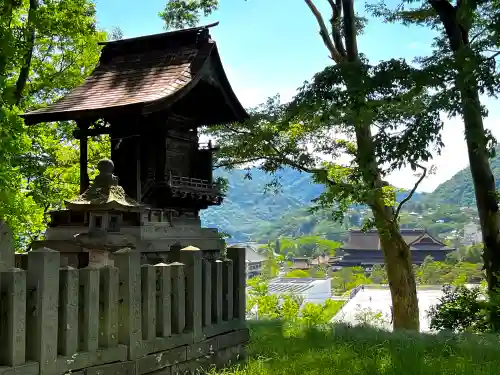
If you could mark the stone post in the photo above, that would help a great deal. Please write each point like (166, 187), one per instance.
(178, 298)
(42, 308)
(109, 289)
(89, 308)
(128, 263)
(237, 255)
(207, 293)
(148, 282)
(164, 300)
(68, 311)
(217, 291)
(6, 246)
(227, 290)
(13, 308)
(192, 258)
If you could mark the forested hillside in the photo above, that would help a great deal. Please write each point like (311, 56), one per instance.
(249, 212)
(459, 189)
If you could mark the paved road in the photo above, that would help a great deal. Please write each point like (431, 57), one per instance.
(381, 301)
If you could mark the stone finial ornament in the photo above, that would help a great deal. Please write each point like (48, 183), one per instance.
(105, 193)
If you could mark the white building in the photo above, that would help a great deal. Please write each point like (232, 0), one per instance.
(308, 289)
(254, 261)
(472, 234)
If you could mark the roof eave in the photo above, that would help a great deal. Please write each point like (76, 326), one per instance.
(158, 36)
(34, 117)
(113, 205)
(239, 111)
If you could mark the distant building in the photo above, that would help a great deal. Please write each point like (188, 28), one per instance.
(301, 263)
(472, 234)
(254, 261)
(363, 248)
(309, 289)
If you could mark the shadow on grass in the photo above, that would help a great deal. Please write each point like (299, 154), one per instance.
(278, 348)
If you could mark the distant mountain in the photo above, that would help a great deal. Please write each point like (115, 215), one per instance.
(459, 190)
(250, 213)
(247, 207)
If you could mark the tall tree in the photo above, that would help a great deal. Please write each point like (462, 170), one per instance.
(46, 48)
(461, 67)
(335, 114)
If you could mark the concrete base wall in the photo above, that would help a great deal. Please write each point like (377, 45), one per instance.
(198, 358)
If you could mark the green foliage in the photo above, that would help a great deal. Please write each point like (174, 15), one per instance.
(271, 266)
(277, 348)
(348, 278)
(429, 273)
(262, 216)
(378, 275)
(307, 246)
(461, 309)
(47, 49)
(300, 274)
(438, 273)
(186, 13)
(288, 308)
(366, 317)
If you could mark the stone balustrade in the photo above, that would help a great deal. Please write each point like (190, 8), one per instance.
(122, 319)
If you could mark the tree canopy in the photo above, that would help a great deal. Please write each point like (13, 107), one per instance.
(47, 48)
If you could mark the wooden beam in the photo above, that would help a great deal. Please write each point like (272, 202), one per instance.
(79, 133)
(84, 175)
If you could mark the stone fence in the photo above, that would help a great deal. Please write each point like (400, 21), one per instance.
(125, 319)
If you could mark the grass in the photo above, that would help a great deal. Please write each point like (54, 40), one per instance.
(276, 349)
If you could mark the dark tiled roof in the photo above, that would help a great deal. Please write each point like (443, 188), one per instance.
(362, 240)
(369, 240)
(140, 71)
(123, 81)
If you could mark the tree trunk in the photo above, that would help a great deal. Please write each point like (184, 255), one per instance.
(397, 256)
(457, 31)
(396, 252)
(5, 25)
(28, 55)
(484, 185)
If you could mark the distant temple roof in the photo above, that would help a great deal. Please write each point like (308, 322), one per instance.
(148, 74)
(105, 193)
(418, 239)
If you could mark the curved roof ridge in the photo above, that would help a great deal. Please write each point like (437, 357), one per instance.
(139, 78)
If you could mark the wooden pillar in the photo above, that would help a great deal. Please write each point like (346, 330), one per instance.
(84, 175)
(210, 162)
(160, 158)
(138, 170)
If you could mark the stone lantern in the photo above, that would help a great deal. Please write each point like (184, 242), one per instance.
(91, 225)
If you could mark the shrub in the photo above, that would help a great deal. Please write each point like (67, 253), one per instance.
(461, 309)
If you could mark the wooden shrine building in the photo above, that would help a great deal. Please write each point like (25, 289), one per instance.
(151, 94)
(126, 281)
(363, 248)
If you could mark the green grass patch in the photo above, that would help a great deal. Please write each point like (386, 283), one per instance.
(277, 348)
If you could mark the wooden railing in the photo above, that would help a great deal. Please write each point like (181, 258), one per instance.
(188, 182)
(121, 319)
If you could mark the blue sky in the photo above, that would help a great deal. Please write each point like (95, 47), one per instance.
(273, 46)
